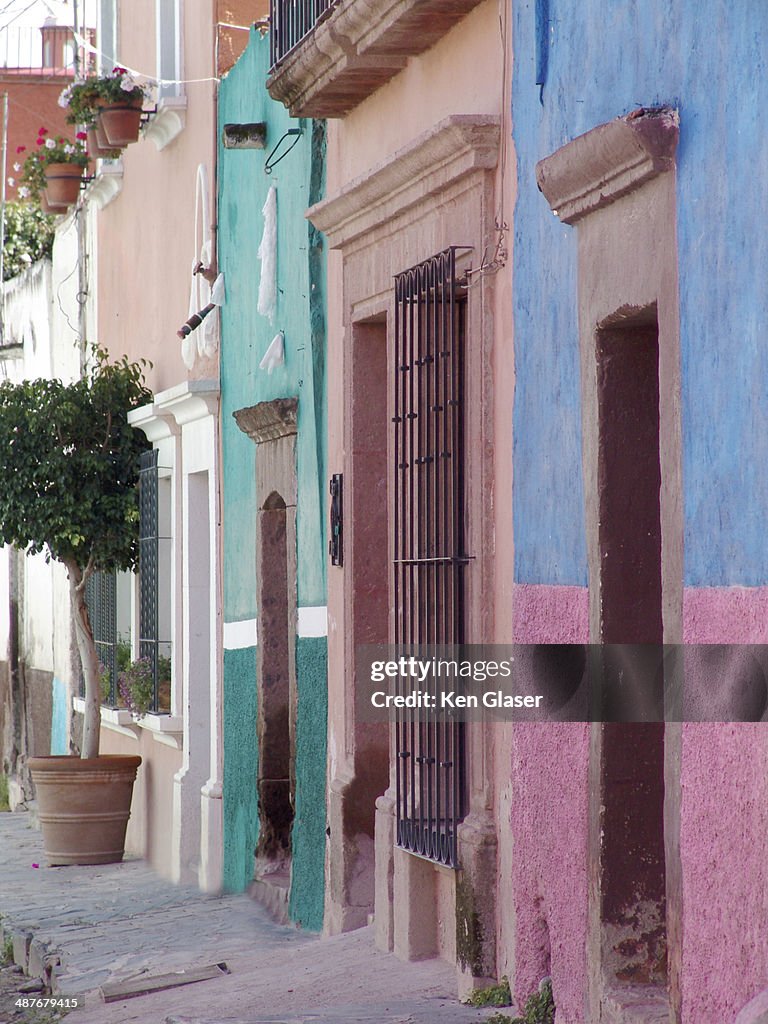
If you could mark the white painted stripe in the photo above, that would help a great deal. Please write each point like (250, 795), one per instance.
(313, 621)
(238, 635)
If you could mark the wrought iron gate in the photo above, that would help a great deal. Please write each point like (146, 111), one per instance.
(429, 543)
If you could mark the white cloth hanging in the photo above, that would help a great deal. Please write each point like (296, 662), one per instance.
(205, 340)
(275, 354)
(267, 253)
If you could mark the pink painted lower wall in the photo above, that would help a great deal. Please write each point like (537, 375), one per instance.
(550, 615)
(549, 827)
(548, 820)
(723, 824)
(725, 615)
(150, 829)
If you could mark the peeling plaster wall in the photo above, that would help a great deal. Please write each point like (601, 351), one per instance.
(606, 59)
(243, 186)
(40, 307)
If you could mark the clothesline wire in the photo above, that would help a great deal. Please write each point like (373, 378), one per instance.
(86, 45)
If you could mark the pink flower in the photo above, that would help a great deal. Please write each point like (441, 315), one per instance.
(82, 136)
(42, 131)
(20, 149)
(117, 70)
(40, 142)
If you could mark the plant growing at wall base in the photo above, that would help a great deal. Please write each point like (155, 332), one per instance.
(69, 463)
(494, 995)
(540, 1008)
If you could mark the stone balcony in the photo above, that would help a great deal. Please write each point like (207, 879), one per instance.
(354, 48)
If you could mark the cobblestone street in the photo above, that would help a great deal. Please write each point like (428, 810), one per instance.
(86, 927)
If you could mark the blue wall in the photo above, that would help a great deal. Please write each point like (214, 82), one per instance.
(604, 59)
(59, 717)
(243, 188)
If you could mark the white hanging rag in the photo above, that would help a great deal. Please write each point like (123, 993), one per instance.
(205, 340)
(275, 354)
(268, 255)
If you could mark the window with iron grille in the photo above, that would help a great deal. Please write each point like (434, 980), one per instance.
(154, 578)
(290, 21)
(101, 598)
(429, 542)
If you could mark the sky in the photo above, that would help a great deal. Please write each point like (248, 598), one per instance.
(20, 21)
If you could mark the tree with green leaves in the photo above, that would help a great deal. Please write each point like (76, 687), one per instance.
(69, 460)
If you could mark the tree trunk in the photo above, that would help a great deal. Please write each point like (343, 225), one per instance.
(89, 660)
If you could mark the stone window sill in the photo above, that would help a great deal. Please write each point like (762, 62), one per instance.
(166, 729)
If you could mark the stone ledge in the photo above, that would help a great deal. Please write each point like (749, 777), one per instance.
(599, 167)
(635, 1004)
(267, 421)
(107, 183)
(457, 146)
(168, 122)
(357, 47)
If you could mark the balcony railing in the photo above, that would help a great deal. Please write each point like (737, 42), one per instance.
(329, 55)
(291, 21)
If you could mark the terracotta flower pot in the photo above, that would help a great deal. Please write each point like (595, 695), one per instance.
(84, 806)
(120, 123)
(98, 132)
(48, 207)
(98, 145)
(63, 183)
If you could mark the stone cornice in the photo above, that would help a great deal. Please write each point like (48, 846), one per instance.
(189, 401)
(455, 147)
(599, 167)
(267, 421)
(355, 48)
(156, 424)
(186, 402)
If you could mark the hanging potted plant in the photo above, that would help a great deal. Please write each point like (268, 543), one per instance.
(82, 101)
(111, 103)
(69, 461)
(55, 170)
(121, 99)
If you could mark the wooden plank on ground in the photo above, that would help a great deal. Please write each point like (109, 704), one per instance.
(146, 983)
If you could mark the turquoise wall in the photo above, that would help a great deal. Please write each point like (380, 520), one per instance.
(241, 820)
(59, 717)
(307, 889)
(243, 188)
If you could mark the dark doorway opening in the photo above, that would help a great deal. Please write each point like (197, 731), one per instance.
(632, 858)
(274, 711)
